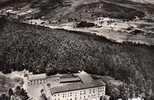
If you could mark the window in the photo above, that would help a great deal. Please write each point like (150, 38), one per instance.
(93, 90)
(100, 89)
(84, 91)
(80, 92)
(70, 93)
(32, 82)
(65, 95)
(28, 83)
(48, 85)
(75, 93)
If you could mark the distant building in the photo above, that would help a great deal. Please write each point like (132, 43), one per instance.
(36, 79)
(78, 86)
(19, 14)
(37, 22)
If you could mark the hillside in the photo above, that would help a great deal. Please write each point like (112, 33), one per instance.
(69, 10)
(77, 10)
(41, 49)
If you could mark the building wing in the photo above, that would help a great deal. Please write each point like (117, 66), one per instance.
(76, 86)
(85, 77)
(37, 76)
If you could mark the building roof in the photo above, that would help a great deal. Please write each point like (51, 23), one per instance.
(37, 76)
(71, 79)
(65, 78)
(85, 77)
(76, 86)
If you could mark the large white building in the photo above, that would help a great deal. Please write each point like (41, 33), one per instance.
(78, 86)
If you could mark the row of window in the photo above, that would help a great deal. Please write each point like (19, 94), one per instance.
(33, 82)
(77, 98)
(91, 91)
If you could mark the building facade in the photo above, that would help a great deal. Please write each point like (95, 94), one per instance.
(93, 93)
